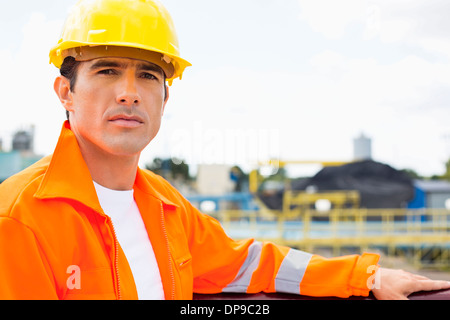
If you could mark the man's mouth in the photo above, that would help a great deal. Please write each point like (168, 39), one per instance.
(126, 121)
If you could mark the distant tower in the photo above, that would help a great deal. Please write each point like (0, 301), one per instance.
(362, 148)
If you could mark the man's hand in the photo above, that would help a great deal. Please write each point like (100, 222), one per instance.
(399, 284)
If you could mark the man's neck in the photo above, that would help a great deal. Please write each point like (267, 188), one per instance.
(110, 171)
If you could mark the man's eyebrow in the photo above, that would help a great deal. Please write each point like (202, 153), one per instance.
(105, 63)
(147, 66)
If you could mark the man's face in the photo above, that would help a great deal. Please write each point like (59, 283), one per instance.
(116, 105)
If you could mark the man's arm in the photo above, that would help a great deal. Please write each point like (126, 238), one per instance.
(25, 273)
(264, 266)
(221, 264)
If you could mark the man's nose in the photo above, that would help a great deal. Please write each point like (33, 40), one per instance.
(128, 95)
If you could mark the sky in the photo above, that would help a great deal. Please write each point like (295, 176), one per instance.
(284, 79)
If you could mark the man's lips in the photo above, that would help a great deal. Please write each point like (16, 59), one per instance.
(126, 121)
(126, 117)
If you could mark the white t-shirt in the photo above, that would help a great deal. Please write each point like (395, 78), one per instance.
(132, 235)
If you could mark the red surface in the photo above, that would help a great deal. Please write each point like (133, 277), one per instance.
(423, 295)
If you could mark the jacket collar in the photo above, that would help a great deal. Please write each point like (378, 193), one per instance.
(68, 175)
(146, 183)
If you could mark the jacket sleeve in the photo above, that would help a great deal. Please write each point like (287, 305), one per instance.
(221, 264)
(25, 273)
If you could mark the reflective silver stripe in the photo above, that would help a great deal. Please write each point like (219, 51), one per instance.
(242, 279)
(291, 271)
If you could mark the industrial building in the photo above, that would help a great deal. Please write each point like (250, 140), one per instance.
(433, 194)
(20, 156)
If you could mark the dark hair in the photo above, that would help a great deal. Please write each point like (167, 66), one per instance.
(69, 70)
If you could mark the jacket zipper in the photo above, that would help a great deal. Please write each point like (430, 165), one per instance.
(116, 259)
(172, 277)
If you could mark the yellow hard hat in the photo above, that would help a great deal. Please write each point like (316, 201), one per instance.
(141, 29)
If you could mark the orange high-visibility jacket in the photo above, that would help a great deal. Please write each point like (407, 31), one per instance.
(57, 243)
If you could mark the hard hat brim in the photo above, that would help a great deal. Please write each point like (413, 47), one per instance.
(173, 66)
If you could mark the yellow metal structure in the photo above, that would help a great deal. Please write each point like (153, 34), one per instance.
(294, 200)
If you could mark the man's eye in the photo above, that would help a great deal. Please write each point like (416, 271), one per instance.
(107, 72)
(147, 75)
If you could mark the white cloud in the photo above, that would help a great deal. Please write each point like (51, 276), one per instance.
(331, 17)
(419, 23)
(440, 46)
(415, 22)
(329, 63)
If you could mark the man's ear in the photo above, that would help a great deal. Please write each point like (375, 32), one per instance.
(62, 89)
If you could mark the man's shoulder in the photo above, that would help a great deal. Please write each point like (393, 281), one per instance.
(25, 182)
